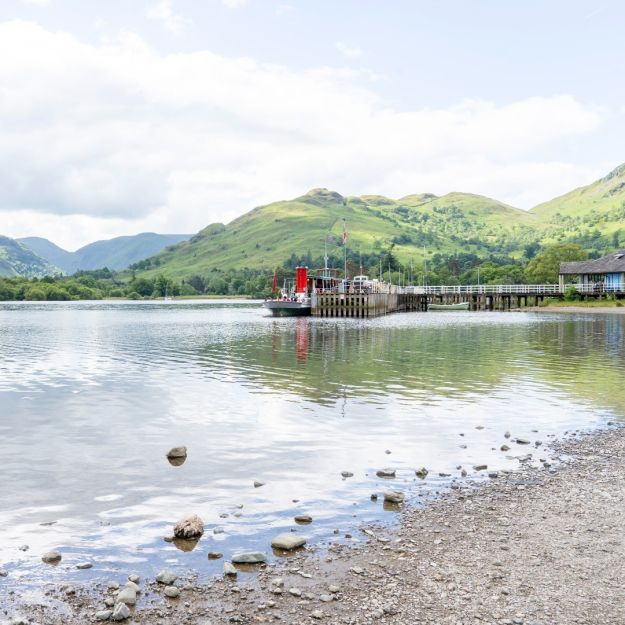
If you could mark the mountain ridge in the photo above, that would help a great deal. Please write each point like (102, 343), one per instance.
(116, 253)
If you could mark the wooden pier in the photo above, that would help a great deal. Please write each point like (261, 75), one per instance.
(363, 305)
(366, 305)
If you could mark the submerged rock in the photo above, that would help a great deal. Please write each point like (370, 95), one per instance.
(249, 557)
(83, 566)
(303, 519)
(52, 557)
(215, 555)
(191, 527)
(288, 541)
(394, 496)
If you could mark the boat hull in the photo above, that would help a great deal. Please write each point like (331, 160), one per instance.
(460, 306)
(288, 309)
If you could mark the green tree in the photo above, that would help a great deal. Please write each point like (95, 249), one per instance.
(545, 267)
(143, 287)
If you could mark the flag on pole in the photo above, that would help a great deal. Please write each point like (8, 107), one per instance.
(344, 232)
(274, 284)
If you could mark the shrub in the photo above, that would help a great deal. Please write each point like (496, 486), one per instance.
(570, 295)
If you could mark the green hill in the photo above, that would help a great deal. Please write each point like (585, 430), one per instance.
(115, 253)
(269, 235)
(17, 260)
(593, 216)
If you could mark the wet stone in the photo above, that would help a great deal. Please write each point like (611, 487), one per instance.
(166, 577)
(127, 595)
(303, 519)
(121, 612)
(288, 541)
(172, 592)
(51, 557)
(249, 557)
(190, 527)
(394, 496)
(229, 569)
(177, 452)
(103, 615)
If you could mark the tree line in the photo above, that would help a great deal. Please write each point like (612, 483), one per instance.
(538, 266)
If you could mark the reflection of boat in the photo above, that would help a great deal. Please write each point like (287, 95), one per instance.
(459, 306)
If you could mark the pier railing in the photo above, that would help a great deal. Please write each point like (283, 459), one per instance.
(515, 289)
(483, 289)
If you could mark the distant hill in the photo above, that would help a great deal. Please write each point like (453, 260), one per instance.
(117, 253)
(268, 235)
(593, 216)
(18, 260)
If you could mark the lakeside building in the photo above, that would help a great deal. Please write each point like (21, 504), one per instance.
(603, 275)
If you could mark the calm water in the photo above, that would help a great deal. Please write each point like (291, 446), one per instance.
(92, 395)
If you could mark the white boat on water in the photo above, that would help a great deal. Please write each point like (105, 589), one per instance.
(459, 306)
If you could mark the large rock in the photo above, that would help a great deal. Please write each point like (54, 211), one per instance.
(386, 473)
(288, 541)
(394, 496)
(121, 612)
(127, 595)
(166, 577)
(249, 557)
(229, 569)
(51, 557)
(191, 527)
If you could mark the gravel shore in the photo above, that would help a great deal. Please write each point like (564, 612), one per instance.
(537, 546)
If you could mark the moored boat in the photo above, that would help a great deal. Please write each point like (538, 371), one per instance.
(458, 306)
(294, 300)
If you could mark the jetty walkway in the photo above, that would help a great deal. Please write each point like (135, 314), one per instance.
(390, 298)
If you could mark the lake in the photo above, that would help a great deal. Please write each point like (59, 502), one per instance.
(93, 394)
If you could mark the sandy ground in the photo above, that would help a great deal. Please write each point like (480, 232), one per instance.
(537, 546)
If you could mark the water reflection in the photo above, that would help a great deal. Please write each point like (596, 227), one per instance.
(93, 395)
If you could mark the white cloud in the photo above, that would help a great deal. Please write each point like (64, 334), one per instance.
(104, 140)
(234, 4)
(162, 11)
(36, 2)
(349, 52)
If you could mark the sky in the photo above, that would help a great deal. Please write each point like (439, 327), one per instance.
(126, 116)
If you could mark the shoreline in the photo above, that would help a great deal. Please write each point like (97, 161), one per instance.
(536, 545)
(603, 310)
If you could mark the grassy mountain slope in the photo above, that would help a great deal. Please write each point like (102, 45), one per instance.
(268, 235)
(17, 260)
(593, 216)
(52, 253)
(115, 253)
